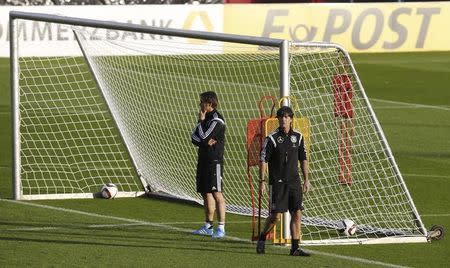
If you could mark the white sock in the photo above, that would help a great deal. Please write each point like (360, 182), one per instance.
(221, 226)
(208, 225)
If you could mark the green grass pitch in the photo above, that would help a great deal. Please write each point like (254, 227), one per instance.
(409, 93)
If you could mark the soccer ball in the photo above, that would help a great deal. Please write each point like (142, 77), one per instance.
(349, 227)
(109, 190)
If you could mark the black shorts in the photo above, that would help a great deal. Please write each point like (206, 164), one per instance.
(285, 196)
(209, 177)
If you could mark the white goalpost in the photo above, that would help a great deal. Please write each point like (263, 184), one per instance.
(121, 110)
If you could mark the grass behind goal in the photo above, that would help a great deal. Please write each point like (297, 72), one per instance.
(416, 137)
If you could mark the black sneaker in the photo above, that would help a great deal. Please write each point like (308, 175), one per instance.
(299, 252)
(261, 247)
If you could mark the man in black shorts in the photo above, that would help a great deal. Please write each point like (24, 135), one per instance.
(209, 136)
(281, 151)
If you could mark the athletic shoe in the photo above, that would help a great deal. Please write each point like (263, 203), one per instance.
(218, 233)
(203, 231)
(299, 252)
(261, 247)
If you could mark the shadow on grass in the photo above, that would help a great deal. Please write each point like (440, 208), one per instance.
(138, 234)
(182, 245)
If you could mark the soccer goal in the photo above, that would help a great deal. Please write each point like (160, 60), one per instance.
(119, 107)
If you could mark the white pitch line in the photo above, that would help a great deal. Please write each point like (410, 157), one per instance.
(435, 215)
(412, 105)
(32, 229)
(427, 175)
(93, 226)
(165, 223)
(394, 107)
(201, 222)
(162, 226)
(113, 225)
(184, 230)
(356, 259)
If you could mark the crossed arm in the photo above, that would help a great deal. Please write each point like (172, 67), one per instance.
(201, 137)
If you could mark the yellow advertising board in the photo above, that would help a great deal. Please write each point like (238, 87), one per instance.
(374, 27)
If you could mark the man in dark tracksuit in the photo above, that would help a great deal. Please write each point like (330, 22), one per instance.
(282, 150)
(209, 136)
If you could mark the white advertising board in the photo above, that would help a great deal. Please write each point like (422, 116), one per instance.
(47, 39)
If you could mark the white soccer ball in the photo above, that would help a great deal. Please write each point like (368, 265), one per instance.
(349, 227)
(109, 190)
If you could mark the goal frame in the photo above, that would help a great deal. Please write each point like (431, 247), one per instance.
(284, 91)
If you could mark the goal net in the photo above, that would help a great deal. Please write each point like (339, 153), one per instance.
(120, 105)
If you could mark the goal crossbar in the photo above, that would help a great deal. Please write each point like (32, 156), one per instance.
(251, 40)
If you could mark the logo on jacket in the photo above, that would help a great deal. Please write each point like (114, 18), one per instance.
(280, 139)
(294, 139)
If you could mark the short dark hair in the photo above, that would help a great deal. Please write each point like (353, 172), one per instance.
(209, 97)
(285, 110)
